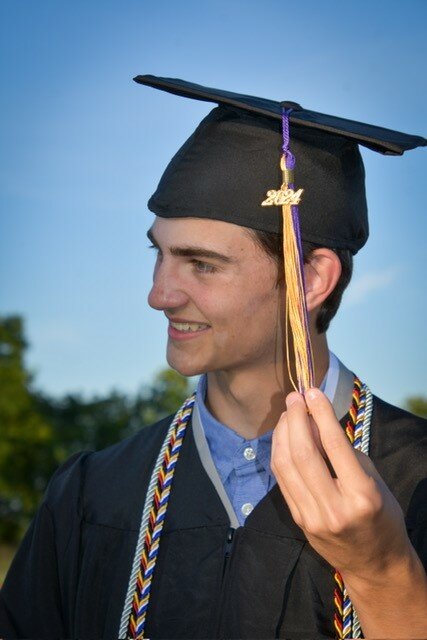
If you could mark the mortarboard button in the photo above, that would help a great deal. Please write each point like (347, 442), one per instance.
(287, 104)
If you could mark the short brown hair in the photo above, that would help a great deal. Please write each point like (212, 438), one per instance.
(272, 244)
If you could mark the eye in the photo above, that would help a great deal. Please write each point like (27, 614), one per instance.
(154, 248)
(203, 267)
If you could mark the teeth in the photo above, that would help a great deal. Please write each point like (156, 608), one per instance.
(188, 326)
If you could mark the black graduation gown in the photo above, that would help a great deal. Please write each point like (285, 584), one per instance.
(70, 575)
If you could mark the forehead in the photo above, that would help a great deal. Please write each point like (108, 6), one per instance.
(229, 238)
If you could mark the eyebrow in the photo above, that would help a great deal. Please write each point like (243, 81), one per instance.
(192, 252)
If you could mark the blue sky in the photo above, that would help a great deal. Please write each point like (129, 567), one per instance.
(84, 146)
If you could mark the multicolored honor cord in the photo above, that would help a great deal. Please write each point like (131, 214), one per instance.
(296, 309)
(134, 613)
(357, 428)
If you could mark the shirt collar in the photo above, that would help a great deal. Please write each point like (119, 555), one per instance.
(225, 443)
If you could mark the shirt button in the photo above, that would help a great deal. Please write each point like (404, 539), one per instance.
(247, 508)
(249, 453)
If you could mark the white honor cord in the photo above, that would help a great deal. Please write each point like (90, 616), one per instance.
(124, 622)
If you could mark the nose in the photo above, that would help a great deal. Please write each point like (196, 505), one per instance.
(168, 291)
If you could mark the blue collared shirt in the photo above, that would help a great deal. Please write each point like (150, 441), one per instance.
(244, 465)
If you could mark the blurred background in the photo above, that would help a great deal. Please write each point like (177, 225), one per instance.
(81, 354)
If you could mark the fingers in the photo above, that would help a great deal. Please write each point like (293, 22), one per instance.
(306, 451)
(288, 479)
(301, 443)
(334, 441)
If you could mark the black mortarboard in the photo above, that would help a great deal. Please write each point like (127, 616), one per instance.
(225, 168)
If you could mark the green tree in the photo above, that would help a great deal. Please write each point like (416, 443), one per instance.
(26, 456)
(93, 424)
(38, 432)
(80, 424)
(417, 405)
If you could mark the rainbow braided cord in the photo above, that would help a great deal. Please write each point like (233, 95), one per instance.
(155, 509)
(338, 604)
(357, 429)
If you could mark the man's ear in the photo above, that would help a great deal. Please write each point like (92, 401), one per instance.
(322, 273)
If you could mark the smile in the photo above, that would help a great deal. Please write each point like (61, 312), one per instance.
(188, 327)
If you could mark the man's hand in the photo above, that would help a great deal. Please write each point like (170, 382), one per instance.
(347, 513)
(352, 520)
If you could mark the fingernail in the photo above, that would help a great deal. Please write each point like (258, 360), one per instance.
(291, 399)
(312, 394)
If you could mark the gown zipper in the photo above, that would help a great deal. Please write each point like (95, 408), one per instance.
(228, 547)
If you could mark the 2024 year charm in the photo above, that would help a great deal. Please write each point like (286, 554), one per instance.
(286, 195)
(282, 196)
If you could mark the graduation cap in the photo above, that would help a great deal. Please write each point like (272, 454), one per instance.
(252, 161)
(224, 169)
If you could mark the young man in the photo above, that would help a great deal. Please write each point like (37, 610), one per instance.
(184, 531)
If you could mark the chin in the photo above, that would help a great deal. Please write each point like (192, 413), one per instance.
(185, 368)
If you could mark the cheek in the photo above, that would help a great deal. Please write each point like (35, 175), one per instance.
(264, 316)
(246, 318)
(261, 297)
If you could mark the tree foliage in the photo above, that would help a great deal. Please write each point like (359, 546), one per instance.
(26, 455)
(417, 405)
(38, 432)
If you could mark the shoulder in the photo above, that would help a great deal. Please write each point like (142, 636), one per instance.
(135, 450)
(93, 485)
(398, 448)
(389, 412)
(395, 430)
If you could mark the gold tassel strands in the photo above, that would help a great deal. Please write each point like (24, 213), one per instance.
(296, 317)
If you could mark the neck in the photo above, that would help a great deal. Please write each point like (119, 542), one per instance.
(250, 401)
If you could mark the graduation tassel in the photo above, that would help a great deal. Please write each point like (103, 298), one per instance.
(296, 317)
